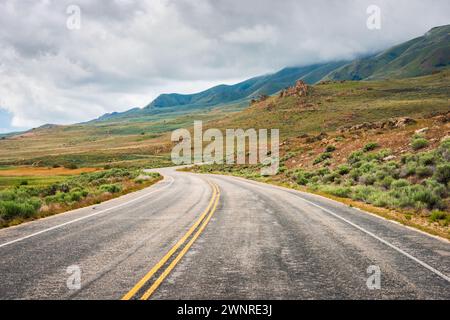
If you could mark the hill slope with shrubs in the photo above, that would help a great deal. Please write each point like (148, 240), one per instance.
(386, 150)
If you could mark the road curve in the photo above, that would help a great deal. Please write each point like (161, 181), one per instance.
(219, 237)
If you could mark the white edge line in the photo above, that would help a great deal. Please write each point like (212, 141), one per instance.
(437, 272)
(423, 264)
(85, 217)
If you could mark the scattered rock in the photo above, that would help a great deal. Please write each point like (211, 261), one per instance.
(388, 124)
(403, 122)
(444, 118)
(389, 158)
(319, 137)
(420, 131)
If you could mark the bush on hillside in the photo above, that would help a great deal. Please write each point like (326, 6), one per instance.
(419, 143)
(370, 146)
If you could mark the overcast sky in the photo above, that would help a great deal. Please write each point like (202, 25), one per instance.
(126, 52)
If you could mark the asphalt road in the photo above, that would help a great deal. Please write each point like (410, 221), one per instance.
(216, 237)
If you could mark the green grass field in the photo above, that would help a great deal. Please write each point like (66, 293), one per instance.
(8, 182)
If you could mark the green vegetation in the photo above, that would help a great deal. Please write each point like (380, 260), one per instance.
(370, 146)
(440, 217)
(416, 183)
(418, 143)
(322, 157)
(330, 149)
(25, 202)
(8, 182)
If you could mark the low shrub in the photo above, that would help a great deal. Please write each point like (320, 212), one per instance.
(367, 179)
(427, 158)
(71, 166)
(380, 199)
(401, 183)
(343, 169)
(330, 148)
(386, 182)
(423, 171)
(13, 209)
(302, 179)
(370, 146)
(419, 143)
(355, 157)
(442, 173)
(437, 215)
(322, 157)
(111, 188)
(342, 192)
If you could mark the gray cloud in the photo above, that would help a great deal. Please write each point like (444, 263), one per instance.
(129, 51)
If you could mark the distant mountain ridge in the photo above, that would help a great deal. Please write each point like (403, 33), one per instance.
(419, 56)
(262, 85)
(224, 94)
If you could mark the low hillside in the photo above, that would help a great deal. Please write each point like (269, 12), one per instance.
(331, 105)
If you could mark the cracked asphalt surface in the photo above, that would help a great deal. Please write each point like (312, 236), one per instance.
(262, 242)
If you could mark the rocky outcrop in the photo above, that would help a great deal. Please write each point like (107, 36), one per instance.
(388, 124)
(300, 89)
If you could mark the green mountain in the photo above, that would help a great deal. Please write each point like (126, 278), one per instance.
(420, 56)
(227, 94)
(252, 88)
(417, 57)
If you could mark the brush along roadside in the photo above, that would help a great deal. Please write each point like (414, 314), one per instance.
(412, 189)
(29, 202)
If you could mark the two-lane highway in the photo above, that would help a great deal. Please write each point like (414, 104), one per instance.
(218, 237)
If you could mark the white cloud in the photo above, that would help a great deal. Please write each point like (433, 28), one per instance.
(129, 51)
(258, 34)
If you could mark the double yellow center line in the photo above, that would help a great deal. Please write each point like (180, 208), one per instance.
(198, 228)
